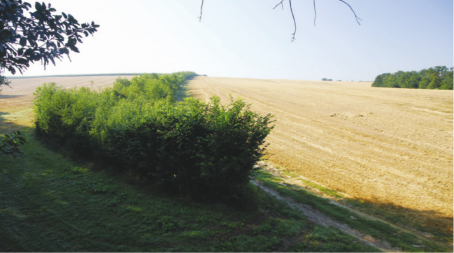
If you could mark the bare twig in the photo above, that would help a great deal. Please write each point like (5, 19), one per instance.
(352, 11)
(294, 21)
(201, 9)
(293, 16)
(281, 3)
(315, 11)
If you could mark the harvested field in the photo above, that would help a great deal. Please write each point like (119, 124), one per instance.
(390, 147)
(15, 102)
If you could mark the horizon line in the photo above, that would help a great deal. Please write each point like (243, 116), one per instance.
(69, 75)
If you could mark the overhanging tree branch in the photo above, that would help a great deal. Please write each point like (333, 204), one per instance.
(41, 36)
(34, 36)
(293, 16)
(201, 9)
(315, 12)
(280, 3)
(294, 21)
(352, 11)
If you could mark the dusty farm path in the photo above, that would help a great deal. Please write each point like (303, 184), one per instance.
(387, 146)
(317, 217)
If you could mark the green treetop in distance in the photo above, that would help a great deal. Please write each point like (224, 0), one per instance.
(28, 36)
(439, 77)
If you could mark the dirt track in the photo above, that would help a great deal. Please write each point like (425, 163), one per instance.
(388, 146)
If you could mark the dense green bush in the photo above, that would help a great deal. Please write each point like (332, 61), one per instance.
(439, 77)
(202, 149)
(80, 118)
(194, 147)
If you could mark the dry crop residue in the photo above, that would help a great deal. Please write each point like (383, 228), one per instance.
(391, 147)
(15, 102)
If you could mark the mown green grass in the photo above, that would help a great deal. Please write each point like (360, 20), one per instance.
(52, 203)
(375, 228)
(320, 188)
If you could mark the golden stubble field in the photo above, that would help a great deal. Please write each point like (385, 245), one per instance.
(16, 102)
(392, 147)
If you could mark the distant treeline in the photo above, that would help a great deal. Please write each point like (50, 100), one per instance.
(439, 77)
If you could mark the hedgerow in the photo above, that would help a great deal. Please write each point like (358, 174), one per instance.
(202, 149)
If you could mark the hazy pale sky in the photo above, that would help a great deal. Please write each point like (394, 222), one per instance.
(247, 38)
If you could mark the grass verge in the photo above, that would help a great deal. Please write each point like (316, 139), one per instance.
(375, 228)
(390, 213)
(52, 203)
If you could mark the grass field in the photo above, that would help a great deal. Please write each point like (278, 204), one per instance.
(390, 148)
(52, 203)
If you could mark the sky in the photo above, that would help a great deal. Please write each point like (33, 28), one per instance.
(250, 39)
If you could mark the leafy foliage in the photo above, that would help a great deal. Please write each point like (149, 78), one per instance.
(3, 80)
(27, 36)
(38, 36)
(201, 149)
(439, 77)
(24, 32)
(10, 144)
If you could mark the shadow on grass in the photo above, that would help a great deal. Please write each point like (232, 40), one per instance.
(98, 162)
(48, 203)
(1, 116)
(434, 229)
(431, 224)
(7, 126)
(9, 96)
(71, 208)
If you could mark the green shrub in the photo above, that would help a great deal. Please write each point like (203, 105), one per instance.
(201, 149)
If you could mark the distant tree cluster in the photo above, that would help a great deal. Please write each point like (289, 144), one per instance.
(326, 79)
(439, 77)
